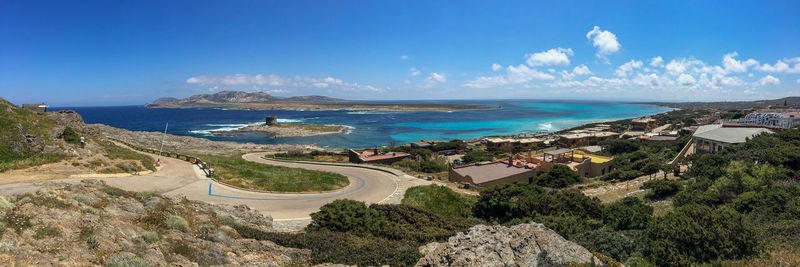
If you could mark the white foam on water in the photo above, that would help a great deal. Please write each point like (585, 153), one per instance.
(546, 126)
(348, 129)
(289, 120)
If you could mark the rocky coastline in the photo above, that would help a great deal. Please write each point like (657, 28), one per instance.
(285, 130)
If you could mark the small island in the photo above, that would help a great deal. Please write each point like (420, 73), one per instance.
(272, 128)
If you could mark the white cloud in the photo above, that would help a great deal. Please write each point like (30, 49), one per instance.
(782, 66)
(496, 67)
(769, 80)
(277, 91)
(514, 75)
(240, 79)
(651, 80)
(629, 66)
(605, 41)
(732, 65)
(259, 80)
(750, 91)
(577, 71)
(555, 56)
(404, 57)
(414, 72)
(435, 79)
(798, 81)
(686, 79)
(581, 70)
(657, 61)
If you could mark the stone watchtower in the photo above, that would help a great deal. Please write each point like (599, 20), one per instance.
(272, 120)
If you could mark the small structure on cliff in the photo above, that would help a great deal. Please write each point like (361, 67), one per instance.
(38, 108)
(271, 120)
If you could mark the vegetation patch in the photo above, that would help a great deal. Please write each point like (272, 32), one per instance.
(440, 200)
(150, 236)
(114, 191)
(246, 174)
(16, 125)
(46, 231)
(177, 222)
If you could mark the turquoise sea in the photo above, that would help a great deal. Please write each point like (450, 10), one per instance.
(370, 128)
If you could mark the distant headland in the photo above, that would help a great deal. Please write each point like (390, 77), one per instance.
(264, 101)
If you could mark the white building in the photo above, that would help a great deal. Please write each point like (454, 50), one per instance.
(713, 138)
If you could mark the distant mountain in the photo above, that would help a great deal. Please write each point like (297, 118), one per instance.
(313, 99)
(793, 101)
(234, 98)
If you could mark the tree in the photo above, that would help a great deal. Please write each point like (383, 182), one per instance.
(668, 168)
(477, 156)
(559, 176)
(710, 166)
(619, 146)
(651, 167)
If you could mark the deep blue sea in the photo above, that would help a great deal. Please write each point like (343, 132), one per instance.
(371, 128)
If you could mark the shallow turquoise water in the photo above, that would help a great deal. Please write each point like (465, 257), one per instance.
(376, 128)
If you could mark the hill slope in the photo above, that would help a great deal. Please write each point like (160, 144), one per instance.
(793, 101)
(233, 98)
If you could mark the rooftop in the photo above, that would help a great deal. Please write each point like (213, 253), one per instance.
(716, 132)
(489, 172)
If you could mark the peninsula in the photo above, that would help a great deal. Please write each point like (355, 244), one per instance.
(282, 130)
(263, 101)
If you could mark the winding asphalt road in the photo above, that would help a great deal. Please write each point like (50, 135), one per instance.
(180, 178)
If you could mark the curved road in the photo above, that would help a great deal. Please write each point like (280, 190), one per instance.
(180, 178)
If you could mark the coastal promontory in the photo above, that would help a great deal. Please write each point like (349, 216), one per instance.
(264, 101)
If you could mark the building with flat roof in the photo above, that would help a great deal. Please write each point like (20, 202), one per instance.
(492, 173)
(713, 138)
(784, 118)
(511, 143)
(585, 138)
(425, 144)
(644, 124)
(373, 156)
(38, 108)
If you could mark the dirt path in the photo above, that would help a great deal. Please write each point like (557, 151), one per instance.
(179, 178)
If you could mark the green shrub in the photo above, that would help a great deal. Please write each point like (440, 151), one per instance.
(559, 176)
(113, 191)
(507, 202)
(341, 248)
(619, 245)
(5, 204)
(134, 261)
(177, 222)
(81, 198)
(150, 236)
(50, 202)
(661, 188)
(478, 156)
(144, 196)
(627, 214)
(404, 222)
(70, 136)
(696, 233)
(344, 215)
(440, 200)
(46, 231)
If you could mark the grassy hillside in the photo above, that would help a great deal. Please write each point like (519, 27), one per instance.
(239, 172)
(23, 133)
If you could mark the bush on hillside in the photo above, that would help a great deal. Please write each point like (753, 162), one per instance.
(661, 188)
(697, 233)
(559, 176)
(619, 245)
(344, 215)
(627, 214)
(70, 136)
(441, 200)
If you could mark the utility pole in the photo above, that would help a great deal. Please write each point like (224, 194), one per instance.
(162, 142)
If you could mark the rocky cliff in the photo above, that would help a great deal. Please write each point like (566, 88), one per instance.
(89, 224)
(529, 244)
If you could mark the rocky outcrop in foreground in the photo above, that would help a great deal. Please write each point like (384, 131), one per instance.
(89, 224)
(529, 244)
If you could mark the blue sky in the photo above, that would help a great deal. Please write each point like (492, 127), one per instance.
(131, 52)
